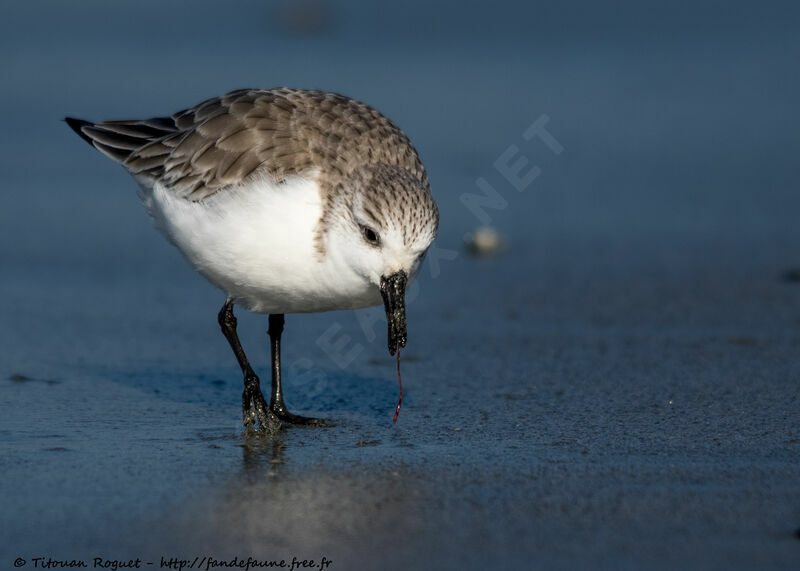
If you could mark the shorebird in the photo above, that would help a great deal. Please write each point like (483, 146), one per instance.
(289, 201)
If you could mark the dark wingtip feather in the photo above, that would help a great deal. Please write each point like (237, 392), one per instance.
(77, 126)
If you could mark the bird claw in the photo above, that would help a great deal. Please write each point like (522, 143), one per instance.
(256, 415)
(279, 410)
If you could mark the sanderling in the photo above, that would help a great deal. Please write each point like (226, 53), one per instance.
(289, 201)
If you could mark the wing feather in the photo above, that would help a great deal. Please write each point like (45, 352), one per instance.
(282, 132)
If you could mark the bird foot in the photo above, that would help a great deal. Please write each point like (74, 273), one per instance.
(256, 414)
(279, 410)
(260, 417)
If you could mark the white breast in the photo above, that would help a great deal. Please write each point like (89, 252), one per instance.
(256, 243)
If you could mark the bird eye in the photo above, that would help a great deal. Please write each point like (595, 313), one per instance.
(370, 235)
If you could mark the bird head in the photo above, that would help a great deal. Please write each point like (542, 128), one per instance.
(388, 218)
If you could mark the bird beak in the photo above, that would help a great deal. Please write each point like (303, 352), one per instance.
(393, 290)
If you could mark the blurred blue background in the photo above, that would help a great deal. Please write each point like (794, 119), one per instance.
(625, 372)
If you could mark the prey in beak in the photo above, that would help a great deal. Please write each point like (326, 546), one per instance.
(393, 291)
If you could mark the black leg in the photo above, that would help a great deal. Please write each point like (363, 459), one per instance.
(276, 403)
(254, 408)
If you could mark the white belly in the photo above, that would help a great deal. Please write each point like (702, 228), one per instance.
(256, 243)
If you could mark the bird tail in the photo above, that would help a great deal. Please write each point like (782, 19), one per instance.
(118, 139)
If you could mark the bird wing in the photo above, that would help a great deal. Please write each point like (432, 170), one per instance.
(222, 141)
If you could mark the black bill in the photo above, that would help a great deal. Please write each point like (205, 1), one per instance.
(393, 290)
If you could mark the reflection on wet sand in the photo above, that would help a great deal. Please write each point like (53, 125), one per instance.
(262, 456)
(274, 509)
